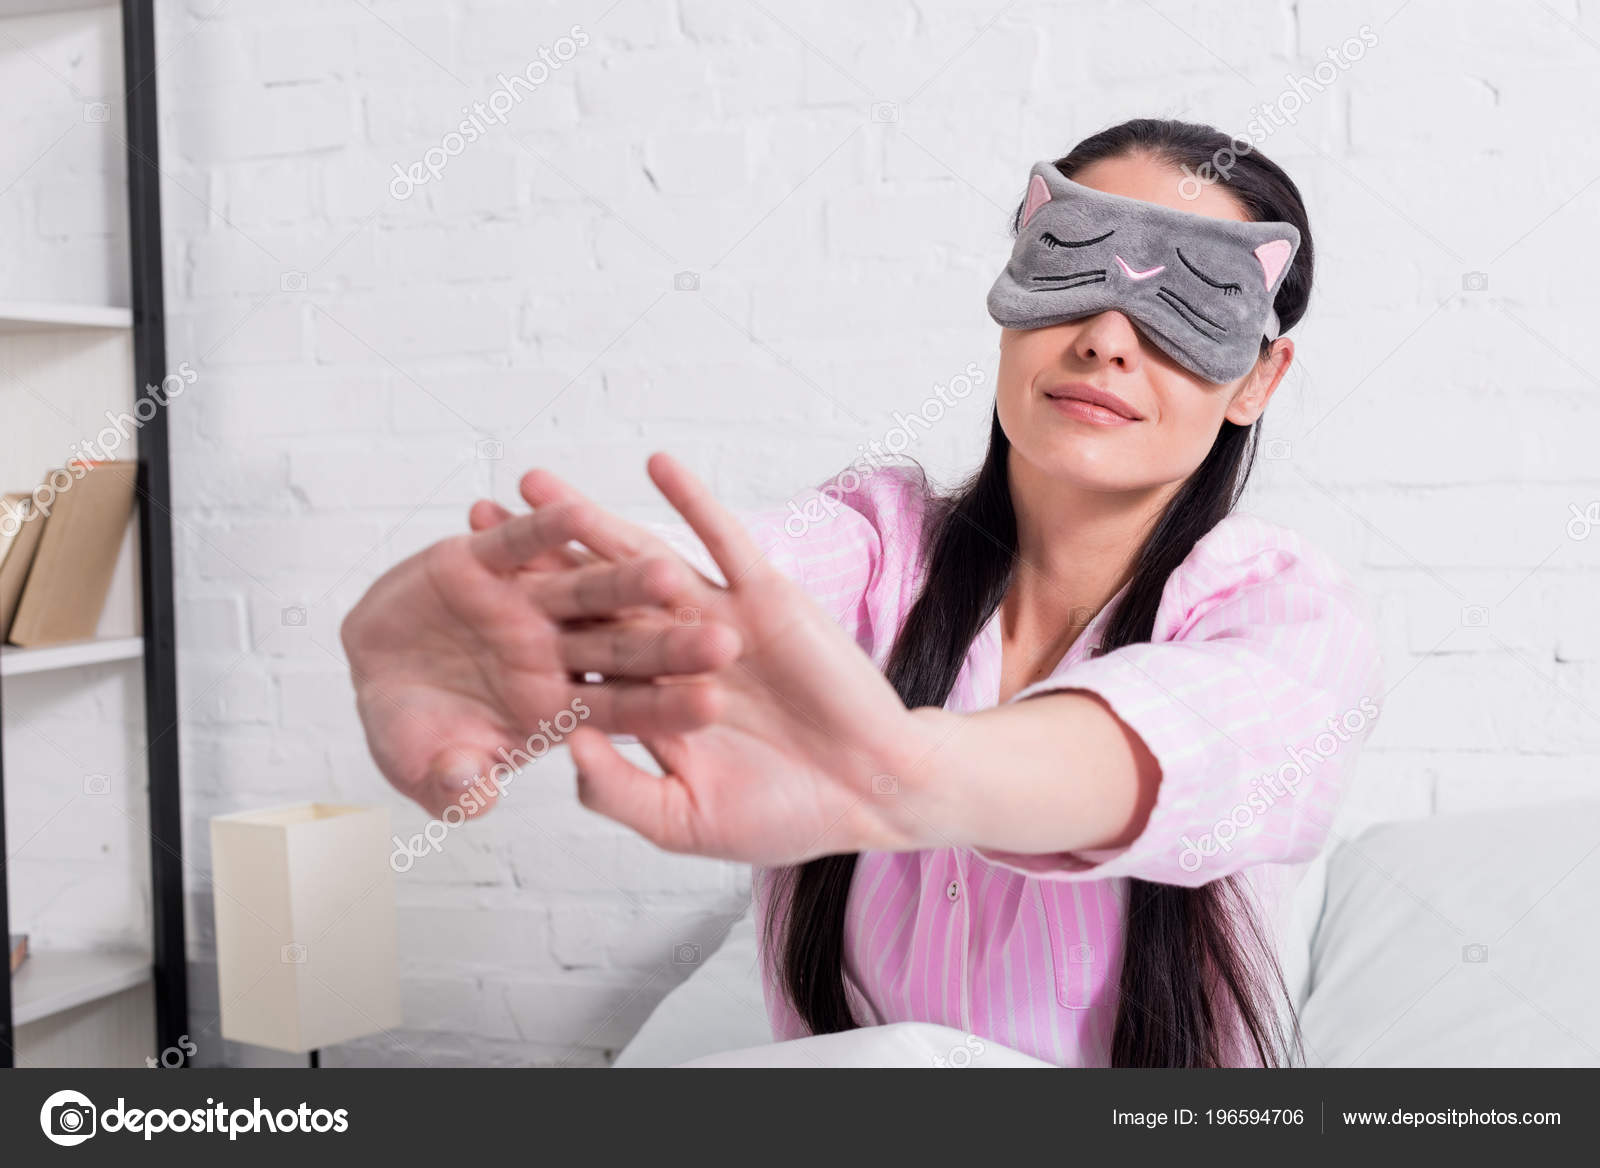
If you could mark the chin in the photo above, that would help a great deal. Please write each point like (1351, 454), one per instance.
(1089, 464)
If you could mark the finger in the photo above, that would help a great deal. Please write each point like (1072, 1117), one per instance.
(673, 705)
(648, 650)
(512, 544)
(730, 545)
(655, 806)
(579, 557)
(486, 513)
(540, 488)
(603, 588)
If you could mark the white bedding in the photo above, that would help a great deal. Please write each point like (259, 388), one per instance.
(900, 1044)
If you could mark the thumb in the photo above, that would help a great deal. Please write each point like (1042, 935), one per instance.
(655, 806)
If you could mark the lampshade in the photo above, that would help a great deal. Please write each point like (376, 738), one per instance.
(305, 922)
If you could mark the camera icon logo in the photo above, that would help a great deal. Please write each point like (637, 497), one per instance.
(1583, 522)
(1277, 448)
(885, 785)
(1475, 616)
(686, 953)
(1081, 954)
(1475, 281)
(97, 784)
(686, 282)
(294, 616)
(293, 954)
(67, 1118)
(292, 282)
(885, 111)
(96, 111)
(490, 449)
(1477, 954)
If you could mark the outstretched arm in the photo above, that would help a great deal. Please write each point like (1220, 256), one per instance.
(1059, 772)
(1222, 742)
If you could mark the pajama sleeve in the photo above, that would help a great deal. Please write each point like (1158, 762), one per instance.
(1260, 683)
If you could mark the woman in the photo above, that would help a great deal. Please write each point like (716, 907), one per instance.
(1040, 760)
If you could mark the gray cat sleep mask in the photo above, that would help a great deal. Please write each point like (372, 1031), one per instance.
(1201, 289)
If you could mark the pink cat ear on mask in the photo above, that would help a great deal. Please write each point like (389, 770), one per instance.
(1273, 256)
(1038, 196)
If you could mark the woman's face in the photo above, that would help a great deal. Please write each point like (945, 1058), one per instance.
(1178, 413)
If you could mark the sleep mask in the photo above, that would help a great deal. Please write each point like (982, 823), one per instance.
(1201, 289)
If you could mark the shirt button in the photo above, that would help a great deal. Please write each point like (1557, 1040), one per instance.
(953, 891)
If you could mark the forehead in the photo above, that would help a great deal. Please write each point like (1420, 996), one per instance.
(1138, 176)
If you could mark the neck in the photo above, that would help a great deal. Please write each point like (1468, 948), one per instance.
(1075, 550)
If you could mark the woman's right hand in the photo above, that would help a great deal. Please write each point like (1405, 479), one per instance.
(452, 659)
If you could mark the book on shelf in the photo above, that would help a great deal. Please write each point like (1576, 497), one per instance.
(21, 524)
(84, 519)
(19, 950)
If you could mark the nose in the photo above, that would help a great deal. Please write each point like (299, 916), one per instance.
(1108, 338)
(1133, 275)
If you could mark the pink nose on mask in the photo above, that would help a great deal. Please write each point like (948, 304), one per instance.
(1133, 275)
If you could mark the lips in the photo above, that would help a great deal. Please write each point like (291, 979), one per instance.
(1083, 391)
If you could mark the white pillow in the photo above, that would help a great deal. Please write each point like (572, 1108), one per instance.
(719, 1007)
(1398, 978)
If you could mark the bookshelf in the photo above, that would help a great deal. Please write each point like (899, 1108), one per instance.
(15, 662)
(101, 350)
(55, 981)
(18, 316)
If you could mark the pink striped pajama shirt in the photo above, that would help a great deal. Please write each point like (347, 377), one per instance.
(1259, 684)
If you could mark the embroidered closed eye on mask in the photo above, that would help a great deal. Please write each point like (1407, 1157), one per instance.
(1201, 289)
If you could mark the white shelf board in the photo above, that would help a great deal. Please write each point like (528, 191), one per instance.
(46, 7)
(55, 980)
(15, 661)
(32, 316)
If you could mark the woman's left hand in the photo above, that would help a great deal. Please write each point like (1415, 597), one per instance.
(813, 753)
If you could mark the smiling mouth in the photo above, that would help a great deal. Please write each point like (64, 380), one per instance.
(1089, 413)
(1101, 405)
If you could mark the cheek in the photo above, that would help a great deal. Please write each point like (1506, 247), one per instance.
(1191, 415)
(1014, 376)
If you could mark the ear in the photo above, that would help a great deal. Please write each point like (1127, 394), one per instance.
(1250, 400)
(1274, 256)
(1038, 196)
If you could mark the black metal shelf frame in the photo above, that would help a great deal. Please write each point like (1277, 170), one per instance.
(154, 501)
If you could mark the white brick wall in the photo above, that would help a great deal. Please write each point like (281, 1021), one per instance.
(1438, 435)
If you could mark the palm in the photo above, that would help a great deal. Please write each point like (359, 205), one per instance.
(798, 765)
(449, 661)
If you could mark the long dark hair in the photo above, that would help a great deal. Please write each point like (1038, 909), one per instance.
(1196, 964)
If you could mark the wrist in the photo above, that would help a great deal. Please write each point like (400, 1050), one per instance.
(921, 791)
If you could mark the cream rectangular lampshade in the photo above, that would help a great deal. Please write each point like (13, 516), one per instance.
(305, 918)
